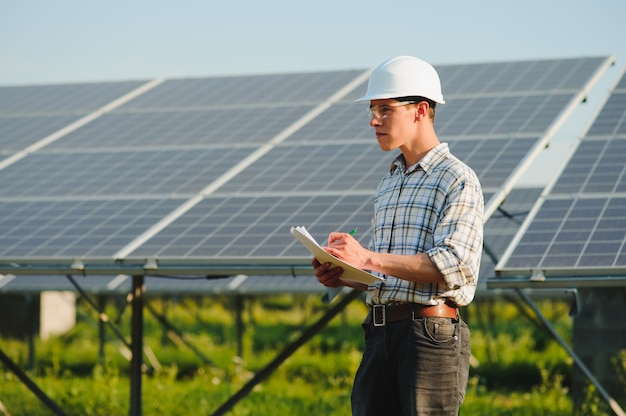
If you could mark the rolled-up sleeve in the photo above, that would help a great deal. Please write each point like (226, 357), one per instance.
(458, 238)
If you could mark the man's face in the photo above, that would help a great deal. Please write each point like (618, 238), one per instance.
(393, 122)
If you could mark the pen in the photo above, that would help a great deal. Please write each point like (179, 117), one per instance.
(354, 230)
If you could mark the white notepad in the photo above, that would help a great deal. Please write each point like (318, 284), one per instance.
(349, 272)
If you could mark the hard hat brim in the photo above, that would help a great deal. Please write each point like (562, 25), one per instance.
(370, 97)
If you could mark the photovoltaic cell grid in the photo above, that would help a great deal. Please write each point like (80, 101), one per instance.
(179, 129)
(313, 168)
(493, 159)
(519, 115)
(236, 91)
(579, 236)
(518, 77)
(502, 227)
(597, 166)
(179, 134)
(18, 132)
(59, 99)
(30, 113)
(76, 228)
(580, 227)
(137, 174)
(258, 226)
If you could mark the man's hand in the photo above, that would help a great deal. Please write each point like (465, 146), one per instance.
(327, 276)
(345, 247)
(348, 249)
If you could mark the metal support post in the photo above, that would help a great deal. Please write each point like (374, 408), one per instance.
(136, 346)
(101, 332)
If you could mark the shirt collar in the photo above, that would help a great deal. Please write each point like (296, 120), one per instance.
(435, 156)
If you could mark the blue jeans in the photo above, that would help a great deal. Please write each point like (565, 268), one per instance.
(413, 367)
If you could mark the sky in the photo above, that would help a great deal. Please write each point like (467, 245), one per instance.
(71, 41)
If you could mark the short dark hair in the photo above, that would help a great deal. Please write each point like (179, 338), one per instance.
(418, 99)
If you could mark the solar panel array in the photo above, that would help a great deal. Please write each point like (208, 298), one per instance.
(499, 231)
(193, 173)
(579, 226)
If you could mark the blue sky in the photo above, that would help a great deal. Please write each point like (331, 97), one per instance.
(75, 41)
(68, 41)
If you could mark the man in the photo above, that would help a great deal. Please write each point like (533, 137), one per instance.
(426, 243)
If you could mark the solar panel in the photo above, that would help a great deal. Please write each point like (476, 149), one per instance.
(611, 121)
(76, 228)
(313, 168)
(176, 129)
(30, 113)
(236, 91)
(60, 99)
(112, 173)
(257, 226)
(18, 132)
(195, 172)
(502, 226)
(597, 167)
(521, 77)
(574, 236)
(579, 227)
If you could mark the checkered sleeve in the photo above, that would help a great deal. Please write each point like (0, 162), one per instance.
(458, 237)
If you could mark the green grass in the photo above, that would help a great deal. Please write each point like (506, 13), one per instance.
(519, 369)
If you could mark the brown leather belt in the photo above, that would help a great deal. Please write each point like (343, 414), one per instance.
(381, 315)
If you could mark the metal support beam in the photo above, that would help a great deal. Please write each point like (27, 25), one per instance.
(103, 317)
(173, 331)
(555, 282)
(287, 352)
(136, 346)
(581, 365)
(8, 363)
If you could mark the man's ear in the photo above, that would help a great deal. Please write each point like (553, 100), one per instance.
(421, 109)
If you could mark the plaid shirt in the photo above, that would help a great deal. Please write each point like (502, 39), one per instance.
(435, 207)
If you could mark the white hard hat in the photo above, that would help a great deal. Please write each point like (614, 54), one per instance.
(403, 76)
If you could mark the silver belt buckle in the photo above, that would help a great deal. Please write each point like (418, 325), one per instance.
(379, 315)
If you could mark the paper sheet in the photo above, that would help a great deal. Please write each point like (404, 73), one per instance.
(349, 272)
